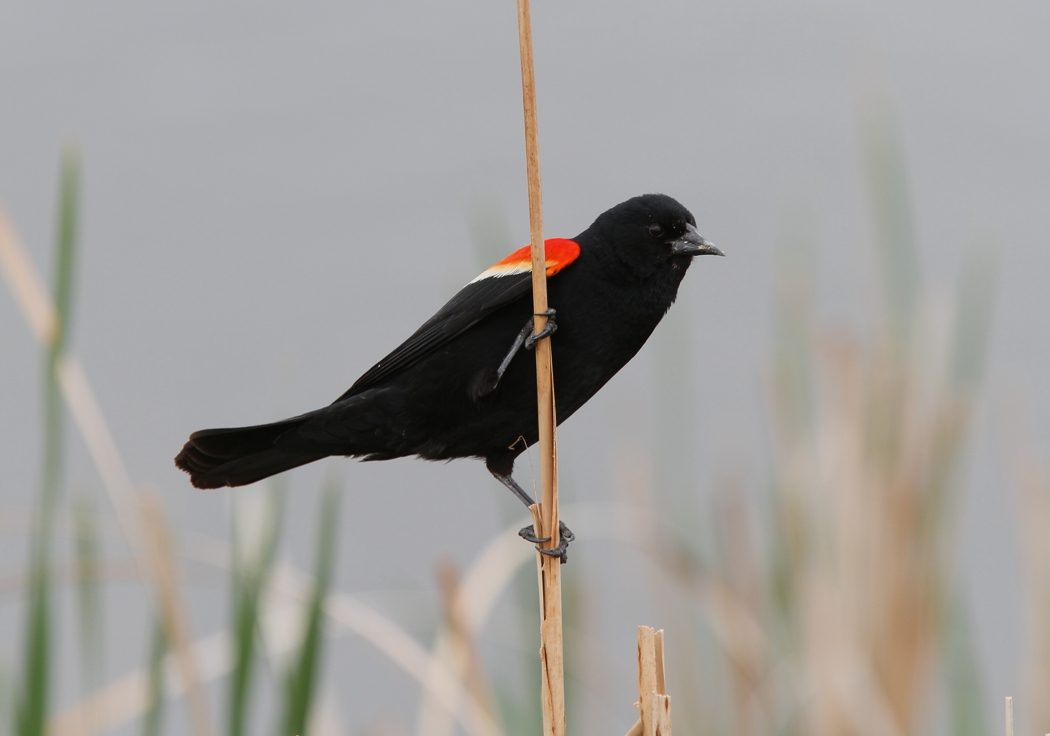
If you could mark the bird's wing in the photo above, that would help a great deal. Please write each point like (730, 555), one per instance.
(499, 285)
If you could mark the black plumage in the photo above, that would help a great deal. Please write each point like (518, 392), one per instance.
(433, 396)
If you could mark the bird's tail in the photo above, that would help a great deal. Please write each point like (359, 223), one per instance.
(236, 457)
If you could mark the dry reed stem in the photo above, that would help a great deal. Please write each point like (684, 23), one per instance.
(654, 705)
(660, 714)
(658, 642)
(646, 676)
(544, 370)
(551, 643)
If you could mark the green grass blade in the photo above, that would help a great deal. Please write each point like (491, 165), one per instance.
(299, 685)
(793, 369)
(256, 533)
(89, 594)
(65, 248)
(962, 675)
(794, 393)
(154, 717)
(32, 705)
(891, 203)
(33, 699)
(973, 320)
(6, 696)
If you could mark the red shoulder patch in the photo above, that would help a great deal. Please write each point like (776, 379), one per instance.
(558, 253)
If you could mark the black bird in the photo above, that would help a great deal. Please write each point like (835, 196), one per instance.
(458, 387)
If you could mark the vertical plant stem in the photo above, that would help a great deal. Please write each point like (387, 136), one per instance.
(301, 679)
(154, 718)
(552, 676)
(32, 707)
(256, 527)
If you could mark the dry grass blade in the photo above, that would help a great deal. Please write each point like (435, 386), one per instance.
(1034, 482)
(28, 290)
(646, 676)
(455, 646)
(87, 414)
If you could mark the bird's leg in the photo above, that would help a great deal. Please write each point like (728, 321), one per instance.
(509, 482)
(528, 339)
(514, 348)
(487, 382)
(528, 533)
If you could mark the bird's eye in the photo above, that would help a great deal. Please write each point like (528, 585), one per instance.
(656, 230)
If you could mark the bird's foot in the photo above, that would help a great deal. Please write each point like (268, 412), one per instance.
(548, 329)
(486, 381)
(561, 551)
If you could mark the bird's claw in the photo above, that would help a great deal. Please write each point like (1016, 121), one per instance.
(528, 533)
(546, 331)
(561, 551)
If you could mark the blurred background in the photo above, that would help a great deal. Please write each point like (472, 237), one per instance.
(825, 476)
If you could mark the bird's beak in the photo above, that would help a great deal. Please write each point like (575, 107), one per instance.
(694, 244)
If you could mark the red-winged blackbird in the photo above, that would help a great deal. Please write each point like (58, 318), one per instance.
(458, 387)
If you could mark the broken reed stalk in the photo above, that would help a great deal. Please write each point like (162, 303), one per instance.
(545, 517)
(654, 704)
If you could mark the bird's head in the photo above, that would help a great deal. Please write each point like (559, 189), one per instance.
(651, 233)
